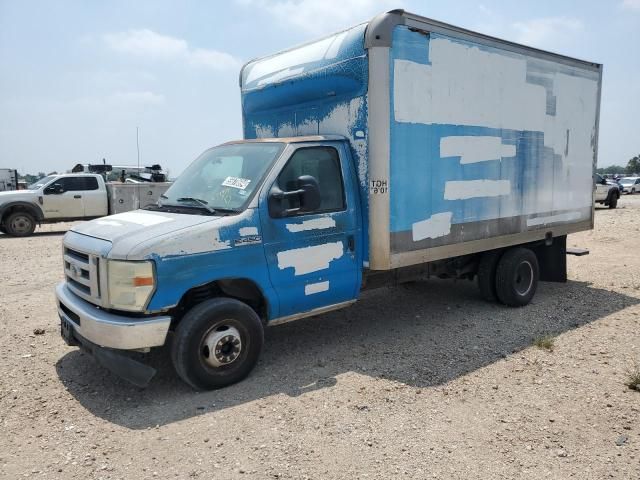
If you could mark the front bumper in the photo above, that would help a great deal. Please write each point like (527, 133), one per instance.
(108, 330)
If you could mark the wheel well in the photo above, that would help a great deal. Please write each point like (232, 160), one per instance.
(20, 207)
(241, 289)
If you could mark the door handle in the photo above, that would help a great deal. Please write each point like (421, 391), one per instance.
(351, 243)
(77, 196)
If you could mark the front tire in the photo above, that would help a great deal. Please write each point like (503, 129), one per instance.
(517, 277)
(20, 224)
(613, 201)
(217, 343)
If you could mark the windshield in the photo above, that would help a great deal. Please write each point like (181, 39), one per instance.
(222, 178)
(39, 183)
(628, 181)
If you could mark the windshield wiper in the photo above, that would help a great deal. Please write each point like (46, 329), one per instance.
(204, 204)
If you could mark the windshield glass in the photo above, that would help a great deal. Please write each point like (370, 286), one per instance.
(223, 177)
(39, 183)
(627, 181)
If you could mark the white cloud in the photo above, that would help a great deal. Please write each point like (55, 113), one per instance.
(213, 59)
(322, 16)
(148, 98)
(545, 32)
(126, 100)
(147, 43)
(631, 4)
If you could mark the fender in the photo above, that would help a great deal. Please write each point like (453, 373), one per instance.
(32, 208)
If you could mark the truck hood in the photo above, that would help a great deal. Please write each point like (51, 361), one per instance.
(18, 195)
(144, 234)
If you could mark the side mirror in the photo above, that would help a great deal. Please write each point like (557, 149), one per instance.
(307, 194)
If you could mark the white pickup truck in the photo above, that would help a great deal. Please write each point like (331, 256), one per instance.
(68, 197)
(606, 193)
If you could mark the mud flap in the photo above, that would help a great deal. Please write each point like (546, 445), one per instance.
(118, 363)
(552, 260)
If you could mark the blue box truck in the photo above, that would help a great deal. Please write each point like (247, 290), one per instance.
(398, 149)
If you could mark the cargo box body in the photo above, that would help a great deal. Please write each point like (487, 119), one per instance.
(462, 142)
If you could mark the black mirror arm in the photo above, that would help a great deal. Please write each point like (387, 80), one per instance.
(280, 195)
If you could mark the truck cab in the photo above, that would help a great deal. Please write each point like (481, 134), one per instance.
(273, 226)
(54, 198)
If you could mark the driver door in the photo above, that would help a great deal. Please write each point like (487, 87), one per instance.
(602, 188)
(314, 257)
(63, 198)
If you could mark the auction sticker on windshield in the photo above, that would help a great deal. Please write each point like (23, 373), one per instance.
(236, 182)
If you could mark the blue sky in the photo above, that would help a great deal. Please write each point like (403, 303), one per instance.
(77, 77)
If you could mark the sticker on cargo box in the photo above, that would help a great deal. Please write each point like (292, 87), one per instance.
(236, 182)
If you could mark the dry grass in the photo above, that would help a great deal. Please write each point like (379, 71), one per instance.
(633, 377)
(545, 343)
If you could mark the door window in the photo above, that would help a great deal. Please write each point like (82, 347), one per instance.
(78, 184)
(323, 164)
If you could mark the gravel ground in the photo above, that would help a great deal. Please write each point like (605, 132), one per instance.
(419, 381)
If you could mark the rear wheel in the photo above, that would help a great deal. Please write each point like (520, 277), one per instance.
(20, 224)
(487, 274)
(517, 277)
(217, 343)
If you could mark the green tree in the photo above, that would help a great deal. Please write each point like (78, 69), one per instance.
(633, 166)
(611, 169)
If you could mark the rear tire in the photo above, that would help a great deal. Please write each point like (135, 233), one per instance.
(217, 343)
(20, 224)
(517, 277)
(487, 274)
(613, 201)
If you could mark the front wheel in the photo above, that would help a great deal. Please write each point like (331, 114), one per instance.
(217, 343)
(613, 201)
(20, 224)
(517, 277)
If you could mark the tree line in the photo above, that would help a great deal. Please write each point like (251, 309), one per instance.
(632, 168)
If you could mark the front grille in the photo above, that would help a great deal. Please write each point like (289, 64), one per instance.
(81, 270)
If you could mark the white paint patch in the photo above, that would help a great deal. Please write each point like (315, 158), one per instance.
(314, 224)
(310, 259)
(561, 217)
(246, 231)
(139, 218)
(109, 223)
(466, 85)
(264, 131)
(438, 225)
(269, 70)
(312, 288)
(281, 75)
(463, 189)
(473, 149)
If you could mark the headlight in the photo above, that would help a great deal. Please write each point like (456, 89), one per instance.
(130, 284)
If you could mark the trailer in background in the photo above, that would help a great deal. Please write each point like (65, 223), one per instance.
(8, 179)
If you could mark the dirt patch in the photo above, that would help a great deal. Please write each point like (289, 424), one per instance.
(420, 381)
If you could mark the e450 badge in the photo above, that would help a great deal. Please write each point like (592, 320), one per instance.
(248, 240)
